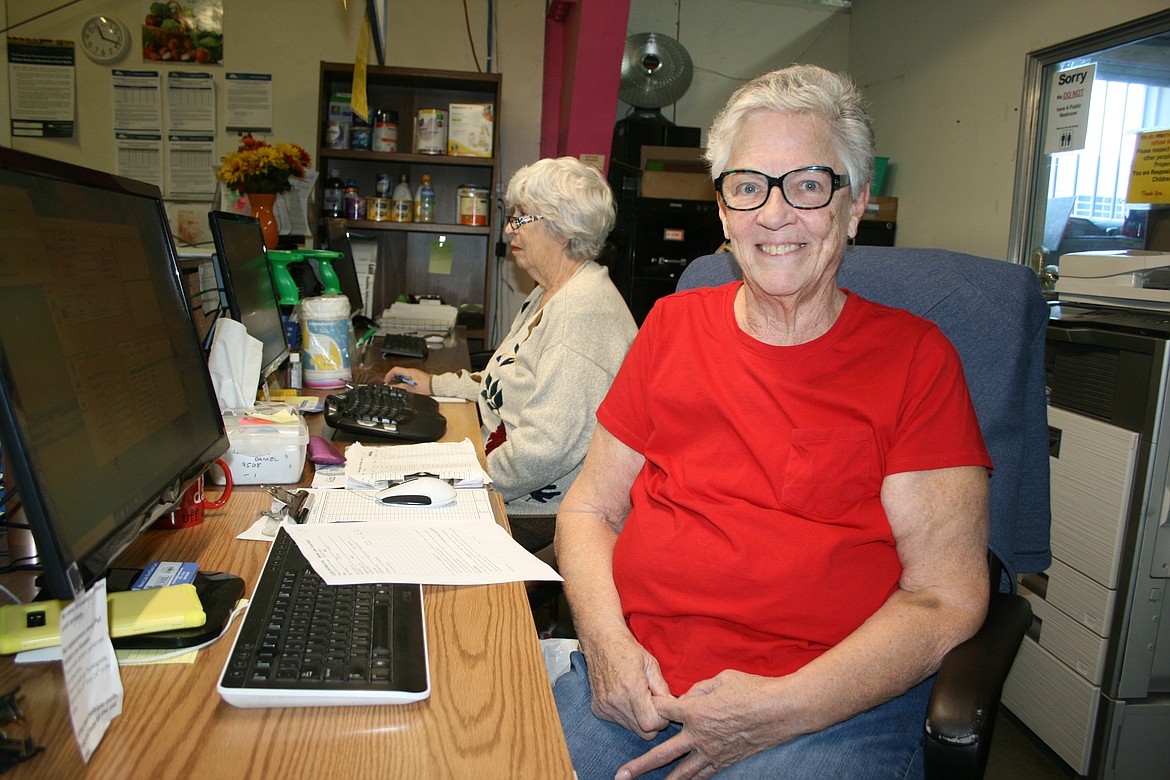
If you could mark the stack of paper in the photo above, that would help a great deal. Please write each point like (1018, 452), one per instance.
(377, 466)
(421, 318)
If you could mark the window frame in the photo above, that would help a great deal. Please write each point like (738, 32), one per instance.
(1028, 151)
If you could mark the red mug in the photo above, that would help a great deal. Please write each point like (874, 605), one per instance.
(194, 501)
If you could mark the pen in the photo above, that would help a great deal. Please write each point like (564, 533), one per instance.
(368, 335)
(404, 379)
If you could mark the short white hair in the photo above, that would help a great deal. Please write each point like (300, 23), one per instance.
(574, 199)
(800, 89)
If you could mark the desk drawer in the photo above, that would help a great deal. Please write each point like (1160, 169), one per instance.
(1057, 704)
(1092, 475)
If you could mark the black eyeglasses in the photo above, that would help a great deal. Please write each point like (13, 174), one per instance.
(518, 222)
(803, 188)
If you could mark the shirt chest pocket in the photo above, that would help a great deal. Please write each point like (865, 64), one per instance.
(830, 469)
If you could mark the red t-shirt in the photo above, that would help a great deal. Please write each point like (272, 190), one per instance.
(757, 539)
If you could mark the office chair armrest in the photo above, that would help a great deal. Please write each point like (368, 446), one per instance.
(961, 714)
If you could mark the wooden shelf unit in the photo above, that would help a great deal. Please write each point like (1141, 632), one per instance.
(404, 248)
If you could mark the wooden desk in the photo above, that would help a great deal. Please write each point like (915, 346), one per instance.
(490, 715)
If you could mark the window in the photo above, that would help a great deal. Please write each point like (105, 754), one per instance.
(1075, 201)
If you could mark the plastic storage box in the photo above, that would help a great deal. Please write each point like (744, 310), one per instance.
(261, 451)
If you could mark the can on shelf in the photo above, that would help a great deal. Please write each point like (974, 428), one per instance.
(473, 205)
(380, 209)
(383, 185)
(430, 131)
(359, 136)
(385, 131)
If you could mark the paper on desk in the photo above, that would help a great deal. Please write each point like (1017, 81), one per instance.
(457, 460)
(329, 476)
(472, 505)
(432, 553)
(92, 681)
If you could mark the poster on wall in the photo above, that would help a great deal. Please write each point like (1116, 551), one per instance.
(190, 32)
(190, 135)
(1068, 109)
(248, 102)
(42, 76)
(1149, 180)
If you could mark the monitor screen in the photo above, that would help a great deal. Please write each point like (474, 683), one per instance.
(337, 233)
(107, 412)
(241, 265)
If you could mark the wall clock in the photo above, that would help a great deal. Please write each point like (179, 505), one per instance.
(104, 38)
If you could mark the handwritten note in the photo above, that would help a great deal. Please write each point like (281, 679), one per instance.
(92, 681)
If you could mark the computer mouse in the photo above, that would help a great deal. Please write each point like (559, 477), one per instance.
(421, 491)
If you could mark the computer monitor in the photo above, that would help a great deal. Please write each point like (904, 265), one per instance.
(107, 411)
(245, 277)
(337, 234)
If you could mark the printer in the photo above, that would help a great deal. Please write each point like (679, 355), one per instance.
(1133, 278)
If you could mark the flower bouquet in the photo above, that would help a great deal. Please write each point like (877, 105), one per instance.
(258, 167)
(262, 171)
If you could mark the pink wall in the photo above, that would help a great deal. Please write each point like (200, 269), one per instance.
(583, 44)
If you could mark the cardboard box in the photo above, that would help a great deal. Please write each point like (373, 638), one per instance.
(469, 129)
(676, 173)
(881, 208)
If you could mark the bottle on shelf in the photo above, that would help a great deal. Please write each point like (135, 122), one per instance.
(355, 204)
(424, 201)
(332, 199)
(401, 201)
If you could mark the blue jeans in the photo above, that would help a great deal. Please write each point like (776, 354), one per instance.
(885, 742)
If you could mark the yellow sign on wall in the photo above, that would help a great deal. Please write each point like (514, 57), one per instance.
(1149, 179)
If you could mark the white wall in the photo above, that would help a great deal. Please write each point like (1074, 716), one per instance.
(944, 77)
(732, 41)
(289, 38)
(945, 80)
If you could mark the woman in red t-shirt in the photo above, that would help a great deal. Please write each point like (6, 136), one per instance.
(781, 525)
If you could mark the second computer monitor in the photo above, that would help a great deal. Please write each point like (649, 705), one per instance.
(338, 237)
(246, 280)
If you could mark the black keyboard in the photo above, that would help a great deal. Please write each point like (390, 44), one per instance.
(305, 643)
(404, 345)
(384, 412)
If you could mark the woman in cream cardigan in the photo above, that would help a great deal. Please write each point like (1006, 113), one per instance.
(538, 393)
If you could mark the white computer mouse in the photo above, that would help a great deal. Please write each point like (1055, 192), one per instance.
(421, 491)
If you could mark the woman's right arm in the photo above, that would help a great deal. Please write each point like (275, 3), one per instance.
(457, 384)
(622, 675)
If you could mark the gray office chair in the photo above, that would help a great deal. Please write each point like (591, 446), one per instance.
(994, 314)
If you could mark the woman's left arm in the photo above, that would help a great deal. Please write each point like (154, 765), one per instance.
(940, 525)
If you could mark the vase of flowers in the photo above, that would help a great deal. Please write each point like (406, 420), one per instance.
(262, 171)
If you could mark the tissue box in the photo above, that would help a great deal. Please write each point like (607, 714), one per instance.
(263, 452)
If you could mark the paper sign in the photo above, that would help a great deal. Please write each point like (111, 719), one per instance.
(442, 256)
(1068, 109)
(1149, 178)
(92, 681)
